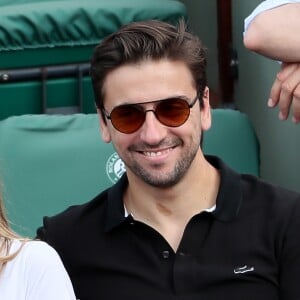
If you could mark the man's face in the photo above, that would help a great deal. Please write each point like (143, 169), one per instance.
(156, 154)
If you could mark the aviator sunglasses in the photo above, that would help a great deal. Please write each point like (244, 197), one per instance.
(171, 112)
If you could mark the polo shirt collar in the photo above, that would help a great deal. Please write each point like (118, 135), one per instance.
(115, 207)
(228, 200)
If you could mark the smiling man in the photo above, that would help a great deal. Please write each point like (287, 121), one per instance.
(178, 224)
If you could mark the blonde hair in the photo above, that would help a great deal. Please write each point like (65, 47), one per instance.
(7, 235)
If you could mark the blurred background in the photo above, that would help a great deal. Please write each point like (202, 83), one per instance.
(35, 32)
(220, 25)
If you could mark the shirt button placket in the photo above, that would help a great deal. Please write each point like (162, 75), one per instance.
(182, 269)
(166, 254)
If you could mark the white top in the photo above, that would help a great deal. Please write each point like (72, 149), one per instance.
(265, 5)
(36, 273)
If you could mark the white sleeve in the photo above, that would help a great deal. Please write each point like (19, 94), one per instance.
(46, 276)
(265, 5)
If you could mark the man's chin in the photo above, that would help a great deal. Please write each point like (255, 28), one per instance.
(163, 181)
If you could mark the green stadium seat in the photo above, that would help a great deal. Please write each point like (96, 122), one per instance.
(46, 45)
(49, 162)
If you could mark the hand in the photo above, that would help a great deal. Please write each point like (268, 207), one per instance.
(285, 92)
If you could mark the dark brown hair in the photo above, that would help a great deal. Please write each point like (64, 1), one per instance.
(146, 40)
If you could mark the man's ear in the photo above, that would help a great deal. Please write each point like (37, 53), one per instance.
(105, 134)
(205, 111)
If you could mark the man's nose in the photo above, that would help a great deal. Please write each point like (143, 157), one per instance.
(152, 131)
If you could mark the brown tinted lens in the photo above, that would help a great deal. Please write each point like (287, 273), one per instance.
(172, 112)
(127, 118)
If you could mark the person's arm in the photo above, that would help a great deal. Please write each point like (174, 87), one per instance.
(275, 33)
(272, 30)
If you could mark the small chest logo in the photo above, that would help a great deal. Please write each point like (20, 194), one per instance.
(244, 269)
(115, 167)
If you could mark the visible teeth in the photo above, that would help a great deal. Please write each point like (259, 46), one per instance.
(153, 153)
(157, 153)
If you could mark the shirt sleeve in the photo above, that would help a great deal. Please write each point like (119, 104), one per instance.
(265, 5)
(46, 276)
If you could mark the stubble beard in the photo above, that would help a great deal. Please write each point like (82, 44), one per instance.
(158, 178)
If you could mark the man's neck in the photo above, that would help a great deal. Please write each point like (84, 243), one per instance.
(168, 210)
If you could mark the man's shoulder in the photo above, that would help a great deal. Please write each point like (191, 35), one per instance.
(67, 221)
(260, 185)
(84, 209)
(270, 195)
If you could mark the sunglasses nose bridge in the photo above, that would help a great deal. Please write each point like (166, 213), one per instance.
(152, 130)
(142, 118)
(149, 110)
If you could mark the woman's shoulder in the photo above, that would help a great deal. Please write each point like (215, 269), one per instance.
(35, 265)
(36, 246)
(36, 252)
(35, 255)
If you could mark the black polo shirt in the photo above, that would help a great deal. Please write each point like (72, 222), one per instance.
(248, 248)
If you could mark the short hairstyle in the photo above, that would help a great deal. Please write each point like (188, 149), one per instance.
(148, 40)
